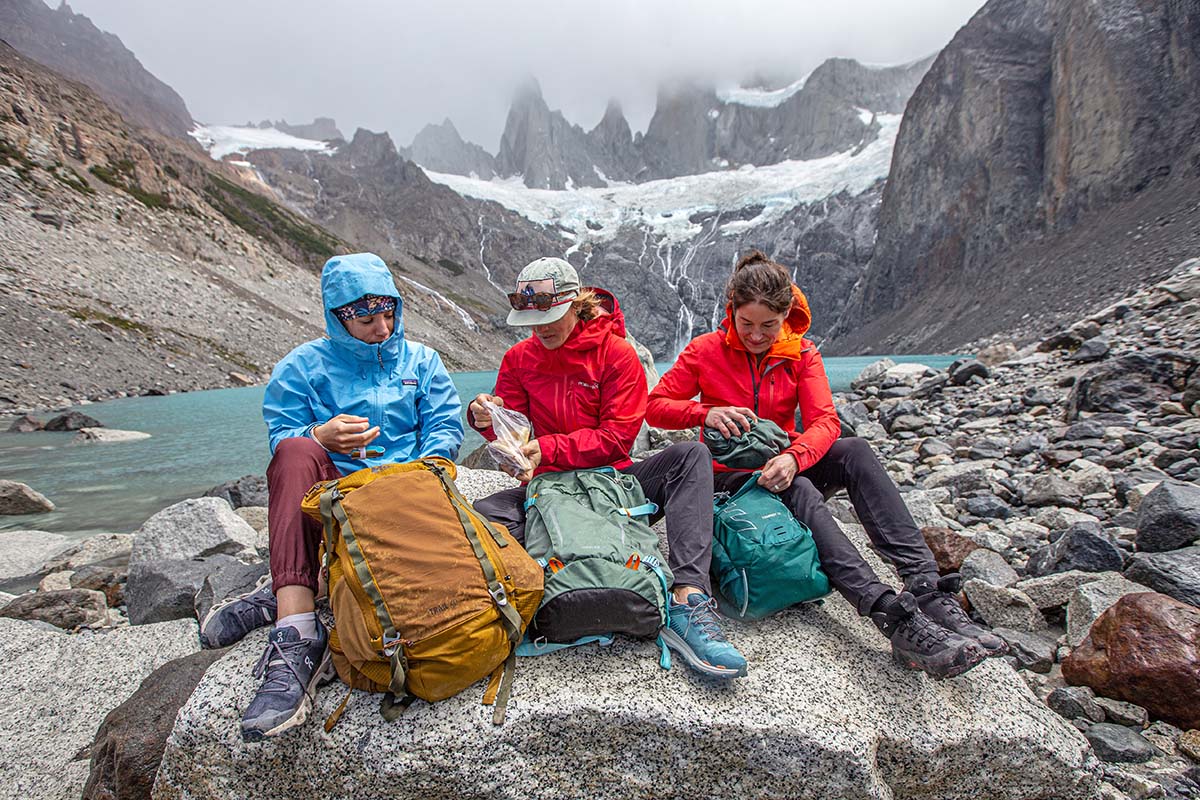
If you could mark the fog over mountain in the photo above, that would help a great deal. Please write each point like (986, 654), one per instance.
(296, 60)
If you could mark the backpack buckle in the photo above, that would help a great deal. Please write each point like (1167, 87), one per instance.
(390, 645)
(498, 594)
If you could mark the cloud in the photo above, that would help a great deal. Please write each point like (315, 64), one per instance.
(397, 66)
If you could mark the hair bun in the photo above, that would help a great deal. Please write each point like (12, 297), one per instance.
(753, 257)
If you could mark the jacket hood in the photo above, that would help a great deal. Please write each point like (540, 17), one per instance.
(790, 342)
(588, 334)
(344, 279)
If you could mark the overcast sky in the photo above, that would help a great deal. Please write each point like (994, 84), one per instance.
(395, 66)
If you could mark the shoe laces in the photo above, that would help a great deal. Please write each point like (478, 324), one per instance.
(703, 617)
(951, 607)
(919, 628)
(253, 602)
(276, 664)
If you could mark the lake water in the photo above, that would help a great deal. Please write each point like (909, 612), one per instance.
(198, 440)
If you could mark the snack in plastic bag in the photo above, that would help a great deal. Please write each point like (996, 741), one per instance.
(512, 432)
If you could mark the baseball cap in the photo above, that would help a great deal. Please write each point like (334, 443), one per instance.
(552, 277)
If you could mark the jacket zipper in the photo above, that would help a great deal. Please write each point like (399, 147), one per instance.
(756, 377)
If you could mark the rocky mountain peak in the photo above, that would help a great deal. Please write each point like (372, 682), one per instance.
(321, 128)
(542, 146)
(440, 148)
(71, 45)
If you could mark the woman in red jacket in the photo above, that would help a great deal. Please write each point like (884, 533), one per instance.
(582, 387)
(759, 365)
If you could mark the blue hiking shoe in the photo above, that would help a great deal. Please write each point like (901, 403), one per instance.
(291, 669)
(694, 633)
(231, 619)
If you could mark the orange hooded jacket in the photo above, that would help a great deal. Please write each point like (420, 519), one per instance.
(791, 375)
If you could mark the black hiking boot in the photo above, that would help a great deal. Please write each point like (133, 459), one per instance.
(940, 603)
(920, 643)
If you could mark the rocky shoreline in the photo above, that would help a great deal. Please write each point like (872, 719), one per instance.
(1062, 480)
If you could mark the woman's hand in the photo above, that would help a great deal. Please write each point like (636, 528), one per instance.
(480, 416)
(778, 473)
(730, 420)
(533, 451)
(345, 432)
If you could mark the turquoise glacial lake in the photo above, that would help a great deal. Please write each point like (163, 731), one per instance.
(197, 440)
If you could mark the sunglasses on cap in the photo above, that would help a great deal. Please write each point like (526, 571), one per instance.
(542, 301)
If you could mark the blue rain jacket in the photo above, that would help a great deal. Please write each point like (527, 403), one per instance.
(399, 385)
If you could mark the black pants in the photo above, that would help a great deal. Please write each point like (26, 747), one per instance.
(851, 465)
(679, 480)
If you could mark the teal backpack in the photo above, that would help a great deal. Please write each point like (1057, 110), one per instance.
(764, 559)
(589, 530)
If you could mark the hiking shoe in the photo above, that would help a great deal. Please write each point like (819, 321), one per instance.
(940, 603)
(920, 643)
(291, 669)
(231, 619)
(693, 631)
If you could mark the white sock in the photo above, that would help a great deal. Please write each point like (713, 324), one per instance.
(305, 624)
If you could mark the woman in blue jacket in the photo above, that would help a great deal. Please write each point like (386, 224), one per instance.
(361, 396)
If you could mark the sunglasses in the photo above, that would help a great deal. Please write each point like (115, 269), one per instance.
(542, 301)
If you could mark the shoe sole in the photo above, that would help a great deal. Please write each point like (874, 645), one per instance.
(675, 642)
(323, 674)
(953, 671)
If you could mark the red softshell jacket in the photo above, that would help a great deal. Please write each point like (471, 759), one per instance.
(586, 399)
(718, 368)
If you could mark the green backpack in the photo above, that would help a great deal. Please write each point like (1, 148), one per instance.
(603, 571)
(764, 559)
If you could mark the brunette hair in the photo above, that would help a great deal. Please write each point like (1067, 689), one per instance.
(587, 305)
(758, 279)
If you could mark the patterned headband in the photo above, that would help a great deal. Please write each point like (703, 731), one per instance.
(365, 306)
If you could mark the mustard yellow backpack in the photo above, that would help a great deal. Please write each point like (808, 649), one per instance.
(427, 596)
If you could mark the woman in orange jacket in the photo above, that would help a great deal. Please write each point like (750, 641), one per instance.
(759, 365)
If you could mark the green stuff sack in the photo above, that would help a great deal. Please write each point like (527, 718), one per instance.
(589, 529)
(749, 450)
(764, 559)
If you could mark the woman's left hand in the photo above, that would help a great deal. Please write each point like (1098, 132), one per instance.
(533, 451)
(778, 473)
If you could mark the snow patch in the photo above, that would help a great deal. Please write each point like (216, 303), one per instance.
(666, 206)
(865, 115)
(223, 140)
(760, 98)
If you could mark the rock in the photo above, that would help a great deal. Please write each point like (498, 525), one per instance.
(65, 608)
(1062, 340)
(26, 424)
(961, 479)
(934, 447)
(1074, 702)
(1036, 396)
(46, 720)
(255, 516)
(17, 498)
(226, 582)
(1091, 478)
(1122, 713)
(1084, 546)
(963, 370)
(192, 529)
(1135, 495)
(1093, 349)
(1059, 519)
(1169, 517)
(872, 374)
(129, 745)
(1145, 649)
(1189, 745)
(108, 579)
(110, 549)
(72, 421)
(1092, 599)
(1051, 490)
(923, 505)
(1004, 608)
(1133, 382)
(949, 548)
(1055, 590)
(240, 379)
(988, 507)
(995, 354)
(1116, 743)
(26, 551)
(55, 581)
(988, 566)
(107, 436)
(1163, 735)
(1033, 651)
(248, 490)
(1176, 573)
(840, 722)
(477, 483)
(166, 589)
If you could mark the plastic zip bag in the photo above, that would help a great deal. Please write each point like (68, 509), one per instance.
(513, 431)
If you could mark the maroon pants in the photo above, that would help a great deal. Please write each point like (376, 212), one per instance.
(295, 537)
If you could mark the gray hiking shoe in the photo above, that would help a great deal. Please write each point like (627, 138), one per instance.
(231, 619)
(920, 643)
(940, 603)
(291, 669)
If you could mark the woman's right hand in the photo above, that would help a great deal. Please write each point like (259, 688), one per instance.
(730, 420)
(345, 432)
(480, 416)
